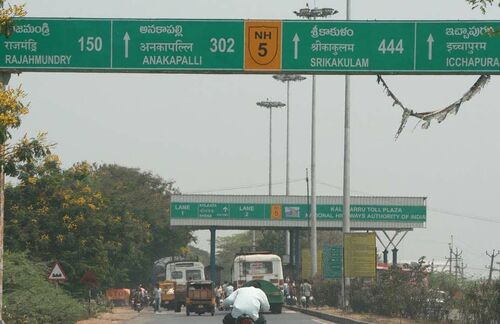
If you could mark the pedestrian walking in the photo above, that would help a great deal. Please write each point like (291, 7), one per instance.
(157, 298)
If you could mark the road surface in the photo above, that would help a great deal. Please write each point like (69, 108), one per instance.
(148, 317)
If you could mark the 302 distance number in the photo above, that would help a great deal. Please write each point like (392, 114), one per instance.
(222, 45)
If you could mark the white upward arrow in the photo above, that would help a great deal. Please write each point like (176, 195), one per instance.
(126, 38)
(430, 40)
(296, 40)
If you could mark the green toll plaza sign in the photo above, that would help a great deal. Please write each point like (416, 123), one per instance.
(293, 211)
(251, 46)
(297, 212)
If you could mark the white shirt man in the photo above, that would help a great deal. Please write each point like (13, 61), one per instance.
(247, 300)
(228, 290)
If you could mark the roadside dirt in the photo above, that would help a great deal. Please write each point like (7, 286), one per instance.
(118, 315)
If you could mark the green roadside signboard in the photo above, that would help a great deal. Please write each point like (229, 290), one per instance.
(251, 46)
(296, 212)
(332, 261)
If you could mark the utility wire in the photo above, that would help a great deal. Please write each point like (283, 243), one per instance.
(250, 186)
(338, 187)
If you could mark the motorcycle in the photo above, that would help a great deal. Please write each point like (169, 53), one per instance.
(138, 305)
(244, 319)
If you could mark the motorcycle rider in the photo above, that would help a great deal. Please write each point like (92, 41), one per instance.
(247, 300)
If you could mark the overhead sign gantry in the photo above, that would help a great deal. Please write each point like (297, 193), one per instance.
(367, 213)
(251, 46)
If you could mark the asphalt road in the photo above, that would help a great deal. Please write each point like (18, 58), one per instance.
(148, 317)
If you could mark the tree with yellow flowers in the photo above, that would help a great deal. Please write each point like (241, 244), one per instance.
(13, 156)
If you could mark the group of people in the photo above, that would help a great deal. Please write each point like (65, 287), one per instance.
(221, 292)
(250, 301)
(301, 295)
(140, 298)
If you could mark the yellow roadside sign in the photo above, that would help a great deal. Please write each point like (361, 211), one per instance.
(360, 255)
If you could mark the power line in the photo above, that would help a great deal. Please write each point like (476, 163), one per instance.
(338, 187)
(250, 186)
(483, 219)
(438, 210)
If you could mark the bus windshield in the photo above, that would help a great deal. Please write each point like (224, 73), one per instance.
(193, 274)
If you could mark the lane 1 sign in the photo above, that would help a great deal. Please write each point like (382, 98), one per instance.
(251, 46)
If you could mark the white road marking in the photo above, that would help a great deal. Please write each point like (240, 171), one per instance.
(289, 312)
(319, 321)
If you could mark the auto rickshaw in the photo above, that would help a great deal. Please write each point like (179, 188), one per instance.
(168, 294)
(200, 297)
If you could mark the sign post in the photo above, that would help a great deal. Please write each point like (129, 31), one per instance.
(57, 274)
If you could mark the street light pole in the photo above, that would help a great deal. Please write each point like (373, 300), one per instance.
(268, 105)
(346, 215)
(288, 78)
(313, 14)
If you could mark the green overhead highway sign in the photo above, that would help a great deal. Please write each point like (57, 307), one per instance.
(251, 46)
(293, 211)
(300, 212)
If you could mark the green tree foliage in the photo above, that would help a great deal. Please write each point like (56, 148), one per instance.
(227, 247)
(30, 298)
(109, 220)
(272, 240)
(143, 197)
(202, 255)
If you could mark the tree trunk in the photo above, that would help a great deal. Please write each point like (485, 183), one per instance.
(4, 79)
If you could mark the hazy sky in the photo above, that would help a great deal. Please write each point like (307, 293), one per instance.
(206, 133)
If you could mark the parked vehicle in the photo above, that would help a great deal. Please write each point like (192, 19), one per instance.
(264, 267)
(200, 297)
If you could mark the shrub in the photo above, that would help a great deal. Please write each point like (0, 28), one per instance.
(480, 302)
(30, 298)
(326, 293)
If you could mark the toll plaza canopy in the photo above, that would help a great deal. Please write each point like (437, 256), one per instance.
(228, 211)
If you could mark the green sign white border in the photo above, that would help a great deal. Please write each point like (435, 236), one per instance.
(204, 223)
(222, 70)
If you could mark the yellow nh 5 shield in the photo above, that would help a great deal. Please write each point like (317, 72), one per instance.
(263, 45)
